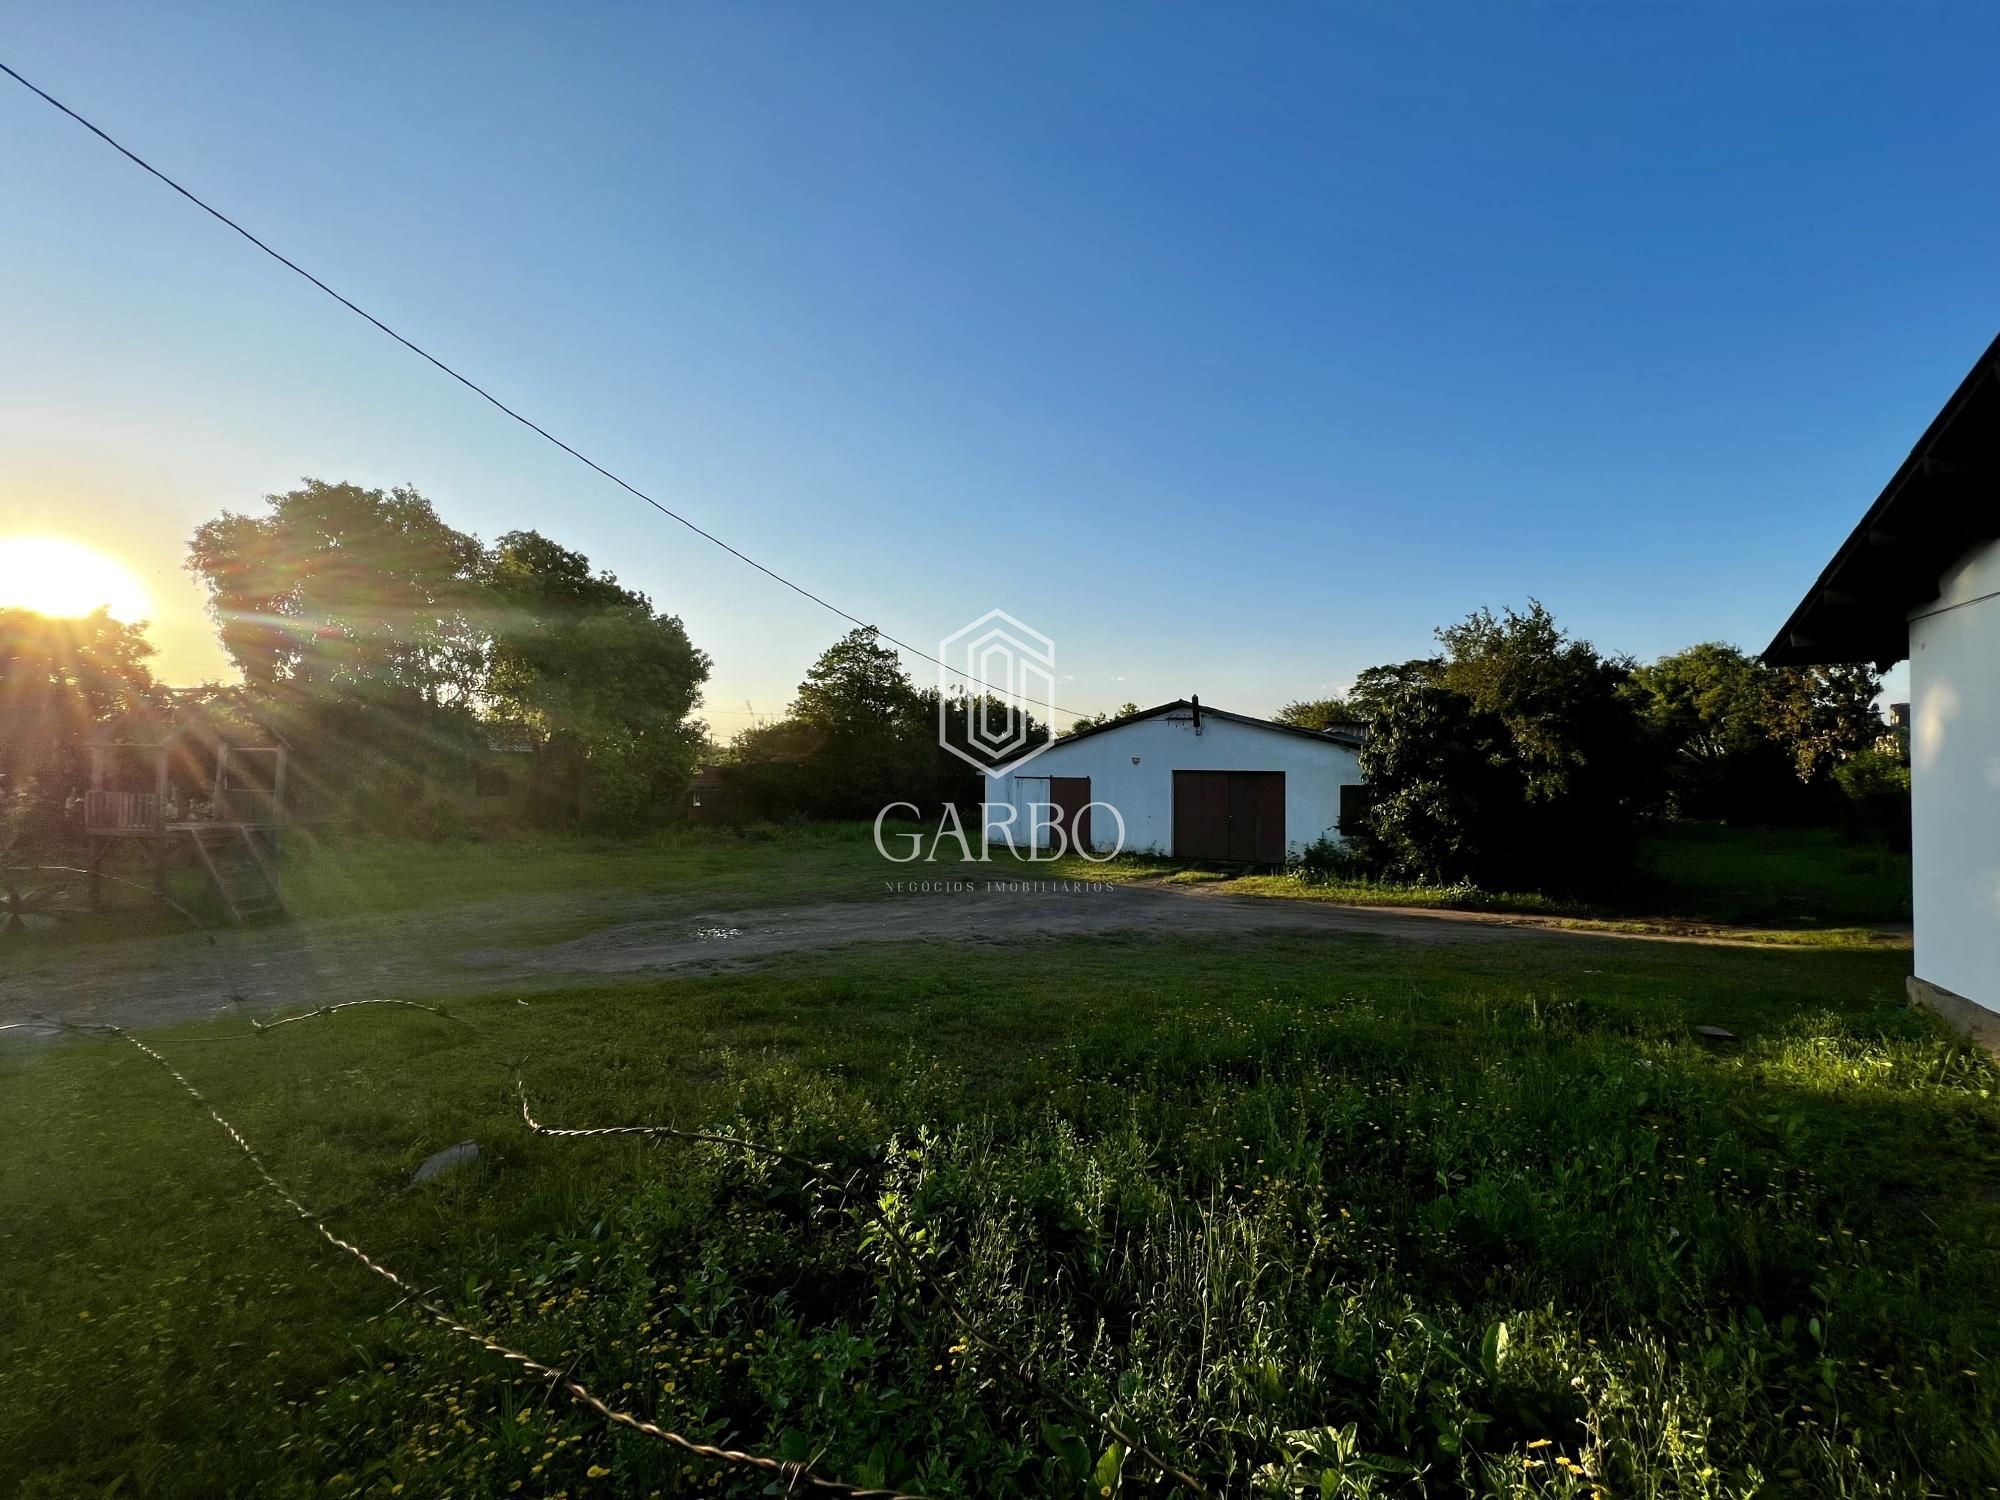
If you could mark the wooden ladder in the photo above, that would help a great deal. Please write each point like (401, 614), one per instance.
(237, 868)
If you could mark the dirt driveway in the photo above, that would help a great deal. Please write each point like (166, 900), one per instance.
(496, 946)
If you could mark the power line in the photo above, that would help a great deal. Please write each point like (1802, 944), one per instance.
(486, 395)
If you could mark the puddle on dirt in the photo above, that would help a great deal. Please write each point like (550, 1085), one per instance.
(710, 934)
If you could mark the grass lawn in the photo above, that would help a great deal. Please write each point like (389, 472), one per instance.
(1788, 886)
(1339, 1217)
(1786, 876)
(1768, 885)
(362, 877)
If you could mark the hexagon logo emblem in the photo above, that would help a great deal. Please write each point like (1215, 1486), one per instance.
(995, 673)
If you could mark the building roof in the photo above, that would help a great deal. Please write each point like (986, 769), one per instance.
(183, 714)
(1942, 502)
(1346, 737)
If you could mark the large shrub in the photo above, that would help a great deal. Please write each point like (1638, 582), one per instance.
(1875, 790)
(1512, 761)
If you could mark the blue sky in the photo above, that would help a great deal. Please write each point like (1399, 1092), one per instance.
(1235, 350)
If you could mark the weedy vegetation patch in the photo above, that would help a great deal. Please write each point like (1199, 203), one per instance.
(1307, 1217)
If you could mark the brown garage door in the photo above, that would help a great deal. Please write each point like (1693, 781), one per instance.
(1069, 797)
(1237, 817)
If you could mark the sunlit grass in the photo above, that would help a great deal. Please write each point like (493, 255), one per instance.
(1340, 1213)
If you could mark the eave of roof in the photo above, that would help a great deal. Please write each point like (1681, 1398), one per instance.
(1943, 501)
(1326, 736)
(180, 715)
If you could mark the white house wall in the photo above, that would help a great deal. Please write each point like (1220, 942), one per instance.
(1132, 768)
(1955, 780)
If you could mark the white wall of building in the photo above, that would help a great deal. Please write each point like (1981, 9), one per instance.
(1132, 768)
(1955, 779)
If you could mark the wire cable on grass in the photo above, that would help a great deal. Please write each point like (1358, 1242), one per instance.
(257, 1028)
(791, 1474)
(1023, 1372)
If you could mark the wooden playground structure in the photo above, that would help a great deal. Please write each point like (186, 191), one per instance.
(150, 792)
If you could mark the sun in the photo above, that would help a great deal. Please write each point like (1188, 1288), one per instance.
(53, 575)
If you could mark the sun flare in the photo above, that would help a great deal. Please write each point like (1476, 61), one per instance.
(53, 575)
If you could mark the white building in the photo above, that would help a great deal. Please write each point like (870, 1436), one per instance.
(1184, 780)
(1920, 578)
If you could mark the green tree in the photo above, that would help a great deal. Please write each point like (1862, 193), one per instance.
(860, 736)
(605, 685)
(1741, 740)
(355, 618)
(344, 590)
(60, 681)
(1558, 698)
(1375, 686)
(997, 719)
(1091, 721)
(1316, 713)
(1707, 713)
(1708, 703)
(1825, 714)
(857, 685)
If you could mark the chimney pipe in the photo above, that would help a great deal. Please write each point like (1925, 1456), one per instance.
(1195, 702)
